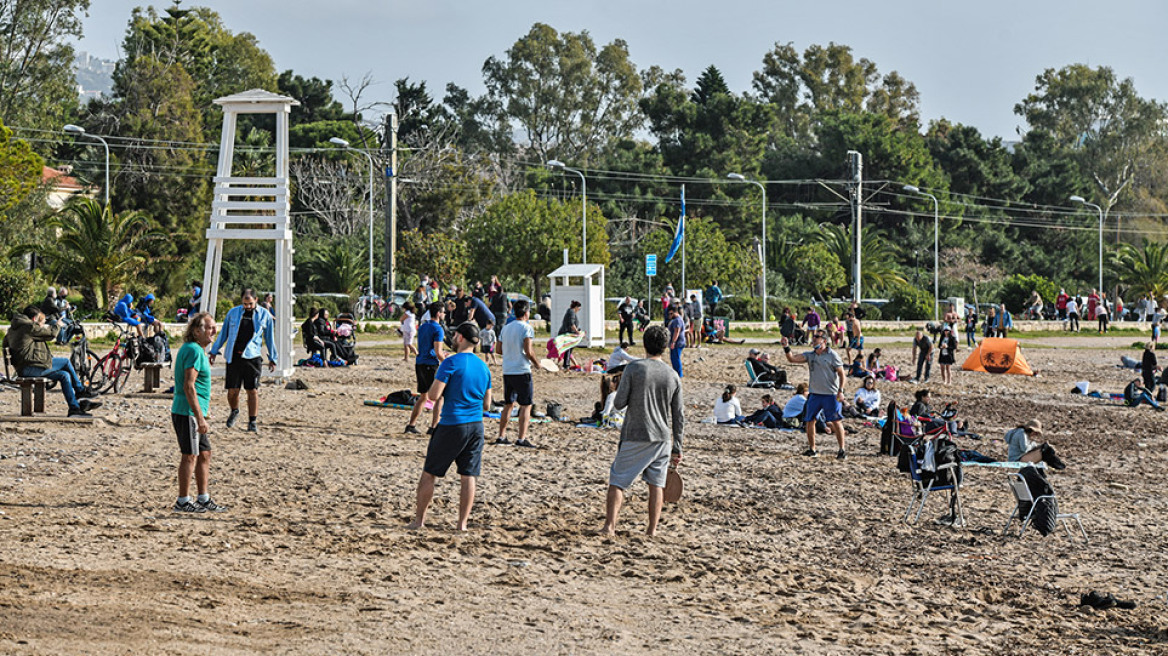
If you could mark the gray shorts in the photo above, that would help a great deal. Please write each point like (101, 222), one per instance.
(649, 460)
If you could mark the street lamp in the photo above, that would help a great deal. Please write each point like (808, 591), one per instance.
(337, 141)
(557, 164)
(80, 131)
(936, 250)
(1083, 201)
(738, 177)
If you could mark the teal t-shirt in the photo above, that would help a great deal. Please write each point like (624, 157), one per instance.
(191, 356)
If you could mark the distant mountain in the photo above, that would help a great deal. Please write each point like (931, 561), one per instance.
(94, 75)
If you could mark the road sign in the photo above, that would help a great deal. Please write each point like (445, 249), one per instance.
(651, 264)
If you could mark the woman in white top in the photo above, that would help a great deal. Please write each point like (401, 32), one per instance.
(409, 327)
(727, 409)
(868, 398)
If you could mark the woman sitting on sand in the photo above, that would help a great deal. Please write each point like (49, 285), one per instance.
(867, 398)
(727, 409)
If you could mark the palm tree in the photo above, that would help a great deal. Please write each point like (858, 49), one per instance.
(878, 269)
(1143, 271)
(94, 247)
(338, 267)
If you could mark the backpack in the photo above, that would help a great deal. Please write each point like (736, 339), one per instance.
(401, 397)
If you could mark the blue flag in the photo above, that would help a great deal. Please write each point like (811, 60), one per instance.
(679, 235)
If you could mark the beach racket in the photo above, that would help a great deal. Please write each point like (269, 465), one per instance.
(672, 486)
(549, 365)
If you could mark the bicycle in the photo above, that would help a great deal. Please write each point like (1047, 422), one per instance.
(112, 371)
(84, 360)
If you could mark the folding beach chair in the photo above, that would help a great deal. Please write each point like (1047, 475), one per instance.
(1026, 504)
(754, 381)
(945, 477)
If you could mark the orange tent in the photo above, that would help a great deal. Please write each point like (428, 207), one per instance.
(998, 356)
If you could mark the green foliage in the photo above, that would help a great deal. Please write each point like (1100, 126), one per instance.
(95, 248)
(871, 312)
(334, 304)
(709, 256)
(1016, 290)
(1143, 270)
(878, 271)
(817, 270)
(20, 170)
(522, 236)
(17, 289)
(442, 257)
(339, 266)
(907, 303)
(37, 89)
(568, 98)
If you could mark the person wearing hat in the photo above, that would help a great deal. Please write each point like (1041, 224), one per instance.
(464, 382)
(1022, 447)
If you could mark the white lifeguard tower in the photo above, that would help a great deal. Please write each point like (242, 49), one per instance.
(584, 283)
(254, 208)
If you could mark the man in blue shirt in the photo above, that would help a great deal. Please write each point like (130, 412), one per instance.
(713, 297)
(464, 381)
(245, 329)
(431, 352)
(676, 338)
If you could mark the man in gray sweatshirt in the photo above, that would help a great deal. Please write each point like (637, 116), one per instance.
(651, 434)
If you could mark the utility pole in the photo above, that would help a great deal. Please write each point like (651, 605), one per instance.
(391, 207)
(857, 163)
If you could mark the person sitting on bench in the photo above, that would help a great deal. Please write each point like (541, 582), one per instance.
(28, 342)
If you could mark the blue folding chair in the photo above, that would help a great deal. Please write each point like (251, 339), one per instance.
(920, 491)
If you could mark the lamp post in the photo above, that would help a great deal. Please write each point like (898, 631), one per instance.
(557, 164)
(80, 131)
(337, 141)
(738, 177)
(1083, 201)
(936, 250)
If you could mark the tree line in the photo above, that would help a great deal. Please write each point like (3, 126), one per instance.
(476, 197)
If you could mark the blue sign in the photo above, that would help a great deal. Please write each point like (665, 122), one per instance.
(651, 264)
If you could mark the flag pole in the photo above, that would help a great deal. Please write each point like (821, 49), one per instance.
(683, 287)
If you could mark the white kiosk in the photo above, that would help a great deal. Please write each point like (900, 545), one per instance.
(254, 208)
(584, 283)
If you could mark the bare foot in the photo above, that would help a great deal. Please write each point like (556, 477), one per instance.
(651, 534)
(462, 527)
(607, 531)
(414, 525)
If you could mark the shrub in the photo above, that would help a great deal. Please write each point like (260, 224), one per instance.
(334, 304)
(871, 312)
(908, 303)
(1016, 291)
(16, 290)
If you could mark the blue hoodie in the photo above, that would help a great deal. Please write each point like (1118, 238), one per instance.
(125, 312)
(145, 312)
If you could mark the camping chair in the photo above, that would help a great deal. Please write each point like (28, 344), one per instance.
(754, 381)
(920, 491)
(1022, 496)
(901, 434)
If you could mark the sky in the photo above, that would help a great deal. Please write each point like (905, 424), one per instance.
(971, 62)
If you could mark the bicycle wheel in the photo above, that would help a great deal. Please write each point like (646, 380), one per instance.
(94, 377)
(106, 371)
(124, 369)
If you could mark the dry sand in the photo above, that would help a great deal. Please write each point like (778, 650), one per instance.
(768, 552)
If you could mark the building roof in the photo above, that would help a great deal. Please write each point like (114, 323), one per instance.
(60, 180)
(576, 270)
(257, 96)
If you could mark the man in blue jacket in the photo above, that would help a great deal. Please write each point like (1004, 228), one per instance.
(244, 328)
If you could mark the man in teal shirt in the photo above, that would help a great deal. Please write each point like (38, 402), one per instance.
(188, 413)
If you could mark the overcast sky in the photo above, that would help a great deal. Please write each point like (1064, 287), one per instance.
(971, 62)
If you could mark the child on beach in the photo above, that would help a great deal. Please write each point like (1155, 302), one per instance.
(487, 342)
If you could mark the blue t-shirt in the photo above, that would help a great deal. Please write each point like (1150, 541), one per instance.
(677, 324)
(467, 380)
(428, 333)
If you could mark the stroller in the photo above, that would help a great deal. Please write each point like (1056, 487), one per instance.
(346, 339)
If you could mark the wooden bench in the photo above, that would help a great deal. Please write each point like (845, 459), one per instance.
(32, 390)
(152, 372)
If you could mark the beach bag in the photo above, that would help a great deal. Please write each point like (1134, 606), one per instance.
(890, 373)
(161, 345)
(554, 410)
(1046, 511)
(401, 397)
(143, 352)
(1162, 395)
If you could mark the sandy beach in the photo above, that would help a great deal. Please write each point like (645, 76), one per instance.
(768, 552)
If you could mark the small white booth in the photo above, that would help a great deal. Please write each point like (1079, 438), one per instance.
(584, 283)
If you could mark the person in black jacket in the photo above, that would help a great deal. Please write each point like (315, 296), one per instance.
(1149, 366)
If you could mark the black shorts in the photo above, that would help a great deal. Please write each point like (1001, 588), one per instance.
(518, 388)
(190, 442)
(425, 374)
(244, 372)
(461, 444)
